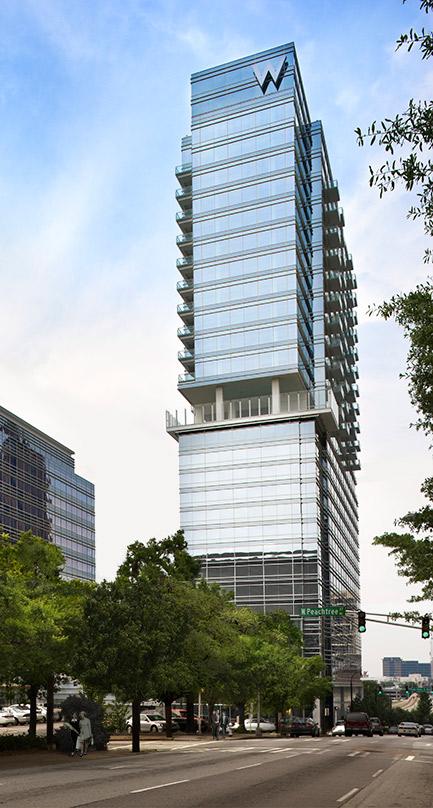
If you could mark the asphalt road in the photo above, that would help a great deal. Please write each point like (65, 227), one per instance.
(255, 773)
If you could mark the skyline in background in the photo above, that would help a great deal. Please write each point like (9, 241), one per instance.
(93, 104)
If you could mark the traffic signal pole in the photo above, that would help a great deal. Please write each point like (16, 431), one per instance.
(424, 628)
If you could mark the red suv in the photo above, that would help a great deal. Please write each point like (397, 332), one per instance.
(358, 724)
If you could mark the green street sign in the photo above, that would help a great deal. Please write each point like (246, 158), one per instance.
(323, 611)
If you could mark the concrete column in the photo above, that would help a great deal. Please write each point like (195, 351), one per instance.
(275, 396)
(219, 404)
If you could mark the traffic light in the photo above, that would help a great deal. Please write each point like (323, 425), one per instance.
(407, 691)
(380, 690)
(425, 627)
(361, 623)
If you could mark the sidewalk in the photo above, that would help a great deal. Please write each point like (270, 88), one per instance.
(119, 746)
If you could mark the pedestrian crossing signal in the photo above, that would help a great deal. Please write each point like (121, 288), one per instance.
(362, 628)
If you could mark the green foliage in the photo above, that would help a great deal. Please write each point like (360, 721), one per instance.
(412, 132)
(423, 712)
(414, 313)
(19, 743)
(116, 715)
(41, 612)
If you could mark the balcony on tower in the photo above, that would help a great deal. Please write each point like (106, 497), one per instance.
(186, 311)
(184, 197)
(184, 242)
(186, 289)
(331, 193)
(184, 174)
(186, 335)
(185, 266)
(184, 219)
(285, 406)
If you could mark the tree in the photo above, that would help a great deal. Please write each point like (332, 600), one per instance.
(132, 623)
(41, 614)
(412, 133)
(423, 712)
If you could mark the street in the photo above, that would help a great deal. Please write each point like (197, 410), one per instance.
(251, 773)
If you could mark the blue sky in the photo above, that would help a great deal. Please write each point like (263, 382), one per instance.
(94, 97)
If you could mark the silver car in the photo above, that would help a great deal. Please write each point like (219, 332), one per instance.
(148, 723)
(408, 728)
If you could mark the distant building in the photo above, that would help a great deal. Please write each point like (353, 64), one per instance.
(395, 666)
(40, 491)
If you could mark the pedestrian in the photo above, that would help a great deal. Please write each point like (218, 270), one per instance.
(85, 737)
(215, 721)
(224, 723)
(73, 729)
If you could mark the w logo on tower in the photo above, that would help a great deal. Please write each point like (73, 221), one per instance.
(270, 71)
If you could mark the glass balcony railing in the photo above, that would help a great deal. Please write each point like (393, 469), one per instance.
(185, 310)
(186, 377)
(186, 261)
(184, 193)
(185, 168)
(185, 331)
(184, 286)
(185, 356)
(184, 215)
(258, 406)
(184, 238)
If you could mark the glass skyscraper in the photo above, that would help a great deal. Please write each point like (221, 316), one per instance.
(269, 452)
(40, 491)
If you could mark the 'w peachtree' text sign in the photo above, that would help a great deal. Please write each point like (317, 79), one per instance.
(323, 611)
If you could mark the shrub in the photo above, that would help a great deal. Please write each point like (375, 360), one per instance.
(115, 716)
(15, 743)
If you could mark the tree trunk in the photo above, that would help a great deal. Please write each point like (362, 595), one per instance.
(168, 700)
(33, 693)
(190, 723)
(50, 716)
(241, 708)
(136, 709)
(277, 721)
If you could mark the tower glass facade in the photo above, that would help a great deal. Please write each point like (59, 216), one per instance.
(268, 455)
(40, 491)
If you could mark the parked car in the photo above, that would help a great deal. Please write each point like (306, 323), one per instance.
(393, 730)
(338, 730)
(428, 729)
(41, 713)
(6, 718)
(300, 726)
(265, 726)
(376, 726)
(148, 723)
(408, 728)
(179, 715)
(20, 712)
(358, 724)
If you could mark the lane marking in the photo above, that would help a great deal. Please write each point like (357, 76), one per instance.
(124, 766)
(251, 765)
(352, 754)
(323, 751)
(349, 794)
(294, 754)
(410, 757)
(376, 774)
(364, 754)
(163, 785)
